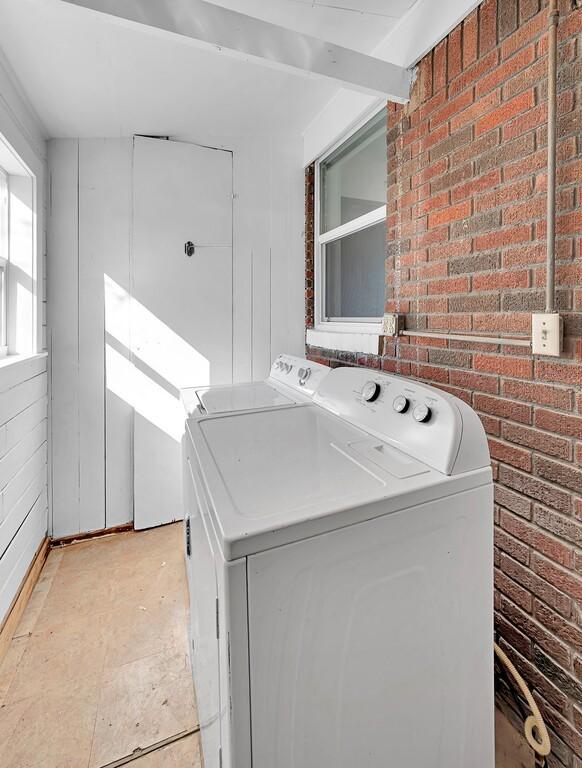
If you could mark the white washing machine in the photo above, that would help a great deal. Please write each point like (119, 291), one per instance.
(291, 380)
(342, 591)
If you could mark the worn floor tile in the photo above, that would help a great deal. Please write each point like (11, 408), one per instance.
(51, 731)
(78, 593)
(95, 554)
(144, 630)
(39, 595)
(61, 655)
(9, 665)
(141, 703)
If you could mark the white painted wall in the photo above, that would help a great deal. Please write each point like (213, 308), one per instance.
(23, 381)
(89, 235)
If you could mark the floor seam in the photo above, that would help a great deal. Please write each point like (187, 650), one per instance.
(140, 752)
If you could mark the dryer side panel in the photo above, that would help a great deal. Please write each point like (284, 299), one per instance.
(203, 591)
(234, 663)
(372, 645)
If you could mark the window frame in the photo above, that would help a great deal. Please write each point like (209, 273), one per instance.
(358, 325)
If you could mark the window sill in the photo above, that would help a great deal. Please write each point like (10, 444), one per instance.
(10, 360)
(346, 341)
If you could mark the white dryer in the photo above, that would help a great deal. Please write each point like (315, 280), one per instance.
(342, 595)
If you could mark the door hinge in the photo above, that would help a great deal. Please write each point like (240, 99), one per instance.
(188, 540)
(217, 621)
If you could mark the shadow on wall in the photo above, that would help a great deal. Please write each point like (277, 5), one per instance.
(146, 362)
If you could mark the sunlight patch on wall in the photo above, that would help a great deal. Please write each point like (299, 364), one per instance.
(152, 341)
(140, 340)
(151, 401)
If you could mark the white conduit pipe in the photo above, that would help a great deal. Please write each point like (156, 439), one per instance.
(542, 744)
(535, 720)
(553, 18)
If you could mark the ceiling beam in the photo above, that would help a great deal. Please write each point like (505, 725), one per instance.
(248, 38)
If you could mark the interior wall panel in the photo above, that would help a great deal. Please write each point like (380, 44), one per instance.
(105, 419)
(63, 318)
(89, 284)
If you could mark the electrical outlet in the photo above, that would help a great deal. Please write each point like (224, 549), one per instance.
(546, 334)
(392, 324)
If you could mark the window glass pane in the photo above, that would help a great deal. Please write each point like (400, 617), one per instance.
(354, 274)
(353, 178)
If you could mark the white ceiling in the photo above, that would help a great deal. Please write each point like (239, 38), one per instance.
(87, 75)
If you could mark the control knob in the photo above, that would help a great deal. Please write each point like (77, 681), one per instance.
(370, 391)
(401, 404)
(422, 413)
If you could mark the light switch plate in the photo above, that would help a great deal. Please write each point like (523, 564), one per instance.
(392, 324)
(546, 334)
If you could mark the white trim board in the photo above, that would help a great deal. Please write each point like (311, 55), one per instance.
(366, 343)
(237, 35)
(417, 32)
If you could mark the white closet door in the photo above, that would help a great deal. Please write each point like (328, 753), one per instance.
(181, 306)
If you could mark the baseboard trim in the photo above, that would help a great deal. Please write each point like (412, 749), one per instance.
(10, 623)
(66, 541)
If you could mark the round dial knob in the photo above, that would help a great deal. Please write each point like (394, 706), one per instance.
(401, 404)
(370, 391)
(304, 374)
(422, 413)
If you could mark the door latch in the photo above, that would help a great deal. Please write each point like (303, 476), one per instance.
(189, 248)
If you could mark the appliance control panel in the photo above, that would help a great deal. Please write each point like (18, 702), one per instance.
(420, 420)
(299, 373)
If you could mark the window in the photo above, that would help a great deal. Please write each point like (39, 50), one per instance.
(19, 228)
(4, 240)
(351, 231)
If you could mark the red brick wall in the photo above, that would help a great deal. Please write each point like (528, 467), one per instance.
(466, 251)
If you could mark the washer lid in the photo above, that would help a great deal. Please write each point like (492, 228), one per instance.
(240, 397)
(278, 476)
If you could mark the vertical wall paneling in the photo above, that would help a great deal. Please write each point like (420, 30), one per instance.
(63, 317)
(113, 163)
(90, 224)
(93, 231)
(105, 418)
(241, 272)
(89, 272)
